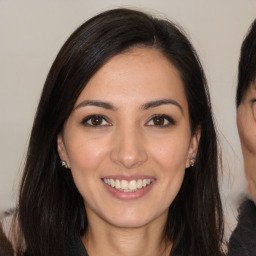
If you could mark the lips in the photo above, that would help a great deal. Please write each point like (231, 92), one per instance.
(124, 185)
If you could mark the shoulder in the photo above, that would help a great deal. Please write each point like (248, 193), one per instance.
(242, 241)
(11, 239)
(76, 246)
(248, 208)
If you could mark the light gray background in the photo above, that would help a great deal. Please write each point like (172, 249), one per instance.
(32, 32)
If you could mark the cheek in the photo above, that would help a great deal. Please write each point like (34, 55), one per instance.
(172, 152)
(171, 159)
(86, 159)
(247, 131)
(251, 175)
(85, 155)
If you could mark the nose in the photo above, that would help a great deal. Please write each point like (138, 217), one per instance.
(129, 149)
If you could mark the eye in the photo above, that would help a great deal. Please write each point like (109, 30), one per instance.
(161, 121)
(95, 121)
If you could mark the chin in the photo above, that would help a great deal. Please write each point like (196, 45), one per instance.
(134, 218)
(128, 223)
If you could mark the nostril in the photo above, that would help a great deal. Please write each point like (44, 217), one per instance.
(129, 160)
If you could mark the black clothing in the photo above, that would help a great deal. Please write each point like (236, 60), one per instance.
(243, 238)
(76, 247)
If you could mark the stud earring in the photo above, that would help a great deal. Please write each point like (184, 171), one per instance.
(63, 163)
(192, 161)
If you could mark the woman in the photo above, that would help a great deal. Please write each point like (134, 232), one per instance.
(123, 154)
(243, 239)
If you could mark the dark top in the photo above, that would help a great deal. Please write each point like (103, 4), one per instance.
(243, 238)
(76, 247)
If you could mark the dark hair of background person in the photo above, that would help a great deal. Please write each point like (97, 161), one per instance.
(247, 63)
(50, 207)
(6, 246)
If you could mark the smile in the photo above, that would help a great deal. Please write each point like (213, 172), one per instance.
(128, 186)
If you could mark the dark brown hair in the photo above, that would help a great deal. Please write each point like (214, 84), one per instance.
(50, 206)
(247, 63)
(6, 248)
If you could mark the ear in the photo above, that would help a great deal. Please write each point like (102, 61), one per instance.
(193, 147)
(62, 149)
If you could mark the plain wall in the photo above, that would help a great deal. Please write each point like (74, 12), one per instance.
(32, 32)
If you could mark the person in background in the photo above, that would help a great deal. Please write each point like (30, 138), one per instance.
(243, 239)
(123, 155)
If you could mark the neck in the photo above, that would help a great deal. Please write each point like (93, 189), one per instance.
(105, 239)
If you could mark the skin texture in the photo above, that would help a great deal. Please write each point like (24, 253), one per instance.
(128, 143)
(246, 123)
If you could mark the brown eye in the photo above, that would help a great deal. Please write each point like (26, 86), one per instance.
(158, 120)
(96, 121)
(161, 121)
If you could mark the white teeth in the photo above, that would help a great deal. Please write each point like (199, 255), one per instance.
(132, 185)
(139, 184)
(118, 185)
(128, 186)
(124, 184)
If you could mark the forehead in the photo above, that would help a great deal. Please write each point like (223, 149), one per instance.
(137, 75)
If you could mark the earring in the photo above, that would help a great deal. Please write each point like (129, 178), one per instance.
(63, 163)
(192, 161)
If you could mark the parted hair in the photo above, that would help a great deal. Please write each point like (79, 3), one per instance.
(50, 208)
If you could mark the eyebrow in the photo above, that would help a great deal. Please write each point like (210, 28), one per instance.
(96, 103)
(157, 103)
(148, 105)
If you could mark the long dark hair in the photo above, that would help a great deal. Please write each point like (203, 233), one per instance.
(247, 63)
(50, 206)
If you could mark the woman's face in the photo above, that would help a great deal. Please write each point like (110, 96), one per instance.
(246, 123)
(128, 139)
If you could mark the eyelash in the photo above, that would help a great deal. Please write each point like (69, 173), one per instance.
(88, 119)
(167, 121)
